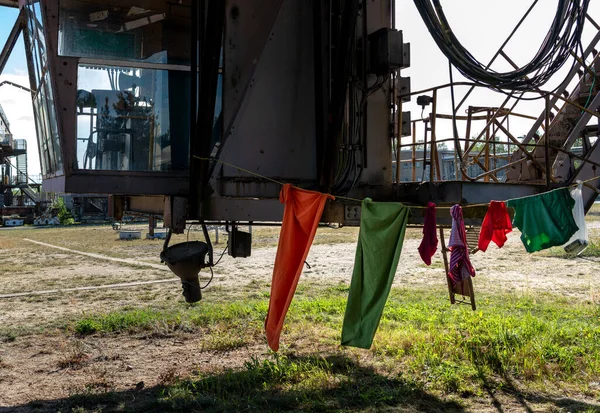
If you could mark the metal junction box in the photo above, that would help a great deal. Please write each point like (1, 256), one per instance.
(239, 244)
(386, 51)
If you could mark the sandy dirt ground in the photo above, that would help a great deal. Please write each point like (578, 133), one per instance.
(30, 365)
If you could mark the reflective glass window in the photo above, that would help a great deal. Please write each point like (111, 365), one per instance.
(43, 100)
(41, 135)
(152, 32)
(132, 119)
(53, 121)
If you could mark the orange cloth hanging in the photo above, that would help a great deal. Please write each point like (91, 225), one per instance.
(301, 215)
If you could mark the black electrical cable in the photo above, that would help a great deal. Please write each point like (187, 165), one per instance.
(352, 168)
(223, 253)
(564, 36)
(212, 274)
(457, 147)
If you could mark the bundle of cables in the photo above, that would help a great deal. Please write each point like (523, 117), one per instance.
(350, 161)
(563, 38)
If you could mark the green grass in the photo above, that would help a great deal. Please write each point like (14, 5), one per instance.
(423, 347)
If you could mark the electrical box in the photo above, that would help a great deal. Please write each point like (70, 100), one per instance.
(239, 243)
(405, 130)
(405, 56)
(387, 52)
(403, 87)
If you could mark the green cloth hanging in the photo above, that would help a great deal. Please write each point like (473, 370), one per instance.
(545, 220)
(382, 229)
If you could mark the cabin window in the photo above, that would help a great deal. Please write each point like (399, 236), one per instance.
(158, 32)
(132, 119)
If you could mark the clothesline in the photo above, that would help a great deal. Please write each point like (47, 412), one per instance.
(262, 176)
(355, 199)
(384, 223)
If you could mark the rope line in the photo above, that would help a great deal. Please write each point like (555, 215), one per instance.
(360, 200)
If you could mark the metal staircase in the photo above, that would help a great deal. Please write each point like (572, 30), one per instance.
(553, 159)
(30, 193)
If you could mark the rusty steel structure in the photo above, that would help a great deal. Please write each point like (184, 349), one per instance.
(197, 110)
(288, 93)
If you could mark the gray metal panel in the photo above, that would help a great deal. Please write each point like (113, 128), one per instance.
(247, 27)
(379, 144)
(444, 193)
(235, 209)
(458, 192)
(106, 182)
(273, 133)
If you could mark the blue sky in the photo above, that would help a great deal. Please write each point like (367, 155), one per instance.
(17, 62)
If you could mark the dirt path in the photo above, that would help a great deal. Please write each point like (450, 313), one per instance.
(100, 256)
(90, 288)
(498, 270)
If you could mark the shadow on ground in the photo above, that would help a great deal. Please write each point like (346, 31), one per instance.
(309, 383)
(291, 383)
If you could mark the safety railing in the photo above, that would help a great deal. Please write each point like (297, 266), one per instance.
(494, 148)
(498, 154)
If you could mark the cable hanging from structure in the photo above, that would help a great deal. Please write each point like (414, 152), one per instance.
(563, 39)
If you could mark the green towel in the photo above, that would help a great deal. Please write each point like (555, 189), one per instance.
(545, 220)
(382, 228)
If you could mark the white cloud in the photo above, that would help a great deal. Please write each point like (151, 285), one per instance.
(19, 111)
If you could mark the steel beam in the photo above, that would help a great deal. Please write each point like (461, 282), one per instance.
(11, 40)
(9, 3)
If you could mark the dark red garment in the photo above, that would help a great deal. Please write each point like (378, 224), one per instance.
(496, 225)
(430, 242)
(301, 215)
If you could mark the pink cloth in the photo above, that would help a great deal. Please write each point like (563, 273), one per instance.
(495, 226)
(429, 243)
(460, 265)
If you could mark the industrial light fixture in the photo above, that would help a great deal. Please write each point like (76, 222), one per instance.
(424, 100)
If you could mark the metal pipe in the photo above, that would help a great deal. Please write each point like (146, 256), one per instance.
(433, 150)
(468, 131)
(424, 150)
(520, 145)
(488, 123)
(398, 141)
(547, 141)
(193, 97)
(414, 152)
(365, 114)
(592, 21)
(487, 147)
(504, 113)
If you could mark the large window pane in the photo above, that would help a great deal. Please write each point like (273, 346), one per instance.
(41, 135)
(132, 119)
(43, 101)
(54, 137)
(154, 32)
